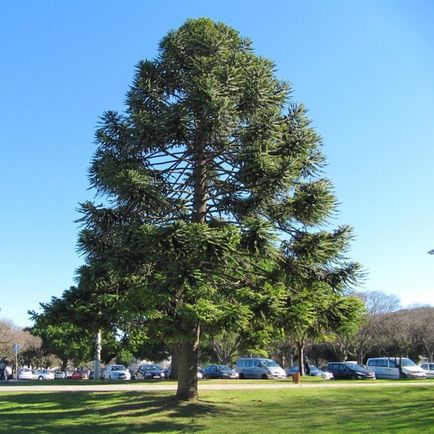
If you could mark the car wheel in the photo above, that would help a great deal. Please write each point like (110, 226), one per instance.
(241, 377)
(40, 377)
(264, 377)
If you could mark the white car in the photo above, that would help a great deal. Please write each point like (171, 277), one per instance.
(429, 369)
(25, 374)
(59, 375)
(316, 372)
(42, 374)
(389, 367)
(116, 372)
(313, 372)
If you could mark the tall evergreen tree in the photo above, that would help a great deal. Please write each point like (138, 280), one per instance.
(208, 168)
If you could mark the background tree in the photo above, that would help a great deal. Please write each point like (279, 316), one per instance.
(317, 315)
(317, 276)
(221, 348)
(367, 338)
(59, 335)
(11, 334)
(424, 331)
(69, 325)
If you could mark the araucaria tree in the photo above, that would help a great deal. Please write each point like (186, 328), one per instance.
(210, 165)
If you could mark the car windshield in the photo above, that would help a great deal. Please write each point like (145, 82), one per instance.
(404, 362)
(270, 363)
(118, 368)
(153, 367)
(224, 368)
(356, 367)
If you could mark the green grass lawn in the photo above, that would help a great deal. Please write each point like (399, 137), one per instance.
(402, 409)
(148, 381)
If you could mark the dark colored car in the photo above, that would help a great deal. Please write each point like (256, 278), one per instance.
(219, 371)
(343, 370)
(149, 371)
(168, 373)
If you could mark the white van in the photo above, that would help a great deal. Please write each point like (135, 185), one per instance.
(256, 367)
(388, 367)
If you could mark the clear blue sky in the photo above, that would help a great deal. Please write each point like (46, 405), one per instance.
(365, 70)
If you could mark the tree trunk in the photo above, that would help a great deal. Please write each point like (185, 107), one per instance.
(199, 198)
(189, 347)
(174, 362)
(97, 359)
(187, 365)
(360, 355)
(300, 355)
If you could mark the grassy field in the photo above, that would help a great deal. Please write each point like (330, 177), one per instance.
(153, 381)
(402, 409)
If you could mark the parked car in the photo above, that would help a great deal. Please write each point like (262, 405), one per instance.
(220, 371)
(429, 369)
(168, 373)
(388, 367)
(92, 374)
(6, 372)
(149, 371)
(313, 372)
(59, 375)
(25, 374)
(85, 373)
(116, 372)
(42, 374)
(256, 367)
(343, 370)
(76, 375)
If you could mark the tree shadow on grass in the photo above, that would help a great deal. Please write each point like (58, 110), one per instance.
(341, 411)
(100, 412)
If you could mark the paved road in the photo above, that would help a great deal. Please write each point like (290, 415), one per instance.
(143, 387)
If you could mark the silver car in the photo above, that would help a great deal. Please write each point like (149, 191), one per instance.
(25, 374)
(429, 369)
(116, 372)
(42, 374)
(258, 367)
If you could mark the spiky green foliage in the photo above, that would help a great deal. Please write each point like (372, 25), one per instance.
(59, 335)
(208, 168)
